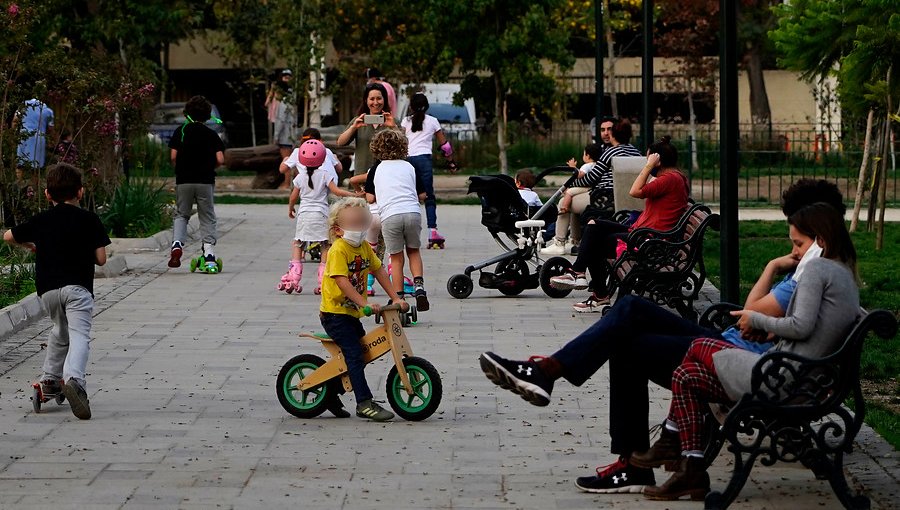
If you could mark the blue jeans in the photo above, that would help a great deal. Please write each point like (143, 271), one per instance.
(346, 332)
(629, 319)
(643, 342)
(425, 171)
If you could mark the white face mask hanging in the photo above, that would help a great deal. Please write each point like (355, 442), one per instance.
(814, 252)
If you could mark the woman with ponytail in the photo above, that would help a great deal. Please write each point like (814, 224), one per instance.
(421, 129)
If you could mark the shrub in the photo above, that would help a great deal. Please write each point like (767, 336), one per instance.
(16, 274)
(138, 208)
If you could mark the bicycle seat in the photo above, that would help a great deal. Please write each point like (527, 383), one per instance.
(317, 336)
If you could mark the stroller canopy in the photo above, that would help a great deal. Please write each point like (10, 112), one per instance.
(501, 204)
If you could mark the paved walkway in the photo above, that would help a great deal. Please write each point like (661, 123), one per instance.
(182, 379)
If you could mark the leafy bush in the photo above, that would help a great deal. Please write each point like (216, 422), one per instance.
(150, 158)
(138, 208)
(16, 274)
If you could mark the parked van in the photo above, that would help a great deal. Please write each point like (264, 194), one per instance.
(458, 122)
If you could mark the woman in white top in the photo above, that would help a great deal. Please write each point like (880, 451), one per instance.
(421, 129)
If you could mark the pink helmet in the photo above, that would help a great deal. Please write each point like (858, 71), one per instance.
(312, 153)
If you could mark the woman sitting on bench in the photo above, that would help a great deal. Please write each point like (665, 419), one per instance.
(665, 190)
(824, 306)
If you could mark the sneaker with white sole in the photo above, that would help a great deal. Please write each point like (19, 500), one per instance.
(78, 399)
(555, 248)
(569, 280)
(524, 378)
(593, 304)
(370, 410)
(618, 477)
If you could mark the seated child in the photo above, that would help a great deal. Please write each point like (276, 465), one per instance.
(344, 295)
(592, 152)
(525, 181)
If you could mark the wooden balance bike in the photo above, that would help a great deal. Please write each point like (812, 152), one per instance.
(307, 384)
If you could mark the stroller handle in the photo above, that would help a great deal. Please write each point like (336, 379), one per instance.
(558, 169)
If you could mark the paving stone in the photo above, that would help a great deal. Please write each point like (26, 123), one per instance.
(182, 386)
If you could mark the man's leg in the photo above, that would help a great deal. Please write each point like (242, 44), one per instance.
(628, 318)
(645, 358)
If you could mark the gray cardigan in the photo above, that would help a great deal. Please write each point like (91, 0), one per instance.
(823, 307)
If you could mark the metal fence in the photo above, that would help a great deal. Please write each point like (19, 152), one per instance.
(769, 163)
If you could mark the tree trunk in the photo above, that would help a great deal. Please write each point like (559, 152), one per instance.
(882, 182)
(500, 113)
(861, 183)
(692, 119)
(760, 112)
(875, 179)
(885, 153)
(611, 66)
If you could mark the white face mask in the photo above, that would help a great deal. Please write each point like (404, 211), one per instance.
(354, 237)
(814, 252)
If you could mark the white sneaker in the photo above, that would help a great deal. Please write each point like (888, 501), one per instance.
(571, 248)
(569, 281)
(556, 248)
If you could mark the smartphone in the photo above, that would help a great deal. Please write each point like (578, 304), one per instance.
(373, 119)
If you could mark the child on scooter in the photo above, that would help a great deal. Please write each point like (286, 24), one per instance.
(350, 261)
(311, 186)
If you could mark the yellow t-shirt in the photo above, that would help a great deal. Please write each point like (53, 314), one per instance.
(355, 264)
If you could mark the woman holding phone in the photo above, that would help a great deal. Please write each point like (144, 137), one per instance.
(373, 115)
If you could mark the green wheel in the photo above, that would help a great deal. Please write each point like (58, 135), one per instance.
(303, 404)
(193, 265)
(427, 390)
(219, 264)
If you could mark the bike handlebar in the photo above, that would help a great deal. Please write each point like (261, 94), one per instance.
(367, 310)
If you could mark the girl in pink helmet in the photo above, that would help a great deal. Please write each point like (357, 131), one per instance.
(316, 177)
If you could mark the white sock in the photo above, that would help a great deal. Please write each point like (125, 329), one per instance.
(692, 453)
(671, 426)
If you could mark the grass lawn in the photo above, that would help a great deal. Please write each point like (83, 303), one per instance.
(762, 241)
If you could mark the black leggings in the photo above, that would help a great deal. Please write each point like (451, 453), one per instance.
(598, 243)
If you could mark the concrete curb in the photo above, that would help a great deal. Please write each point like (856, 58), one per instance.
(18, 316)
(29, 309)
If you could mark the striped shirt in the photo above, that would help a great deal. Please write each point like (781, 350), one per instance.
(600, 176)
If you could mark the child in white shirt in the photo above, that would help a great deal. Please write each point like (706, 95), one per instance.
(316, 178)
(524, 182)
(394, 184)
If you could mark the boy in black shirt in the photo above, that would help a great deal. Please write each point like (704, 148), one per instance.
(196, 152)
(68, 241)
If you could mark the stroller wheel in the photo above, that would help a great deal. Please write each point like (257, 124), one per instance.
(512, 275)
(460, 286)
(554, 266)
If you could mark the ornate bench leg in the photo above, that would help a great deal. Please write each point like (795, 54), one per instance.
(716, 500)
(842, 490)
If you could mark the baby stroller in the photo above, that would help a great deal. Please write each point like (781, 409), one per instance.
(509, 220)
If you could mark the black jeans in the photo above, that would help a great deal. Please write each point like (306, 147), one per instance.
(598, 243)
(643, 342)
(346, 331)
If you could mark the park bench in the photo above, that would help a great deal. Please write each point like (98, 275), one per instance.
(665, 267)
(796, 411)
